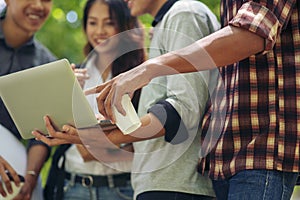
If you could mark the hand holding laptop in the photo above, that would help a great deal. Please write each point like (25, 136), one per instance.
(95, 140)
(71, 135)
(68, 135)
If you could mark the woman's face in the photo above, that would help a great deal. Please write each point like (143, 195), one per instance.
(28, 15)
(100, 28)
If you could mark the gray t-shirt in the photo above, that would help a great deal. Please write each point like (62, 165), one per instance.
(158, 165)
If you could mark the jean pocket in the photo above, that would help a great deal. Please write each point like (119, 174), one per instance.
(125, 193)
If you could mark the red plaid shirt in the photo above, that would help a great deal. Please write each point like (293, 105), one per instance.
(262, 102)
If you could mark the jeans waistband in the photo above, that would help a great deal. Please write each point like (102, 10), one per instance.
(86, 180)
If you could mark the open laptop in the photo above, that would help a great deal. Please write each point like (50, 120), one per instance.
(50, 89)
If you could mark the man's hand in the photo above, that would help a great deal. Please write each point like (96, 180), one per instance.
(111, 92)
(7, 173)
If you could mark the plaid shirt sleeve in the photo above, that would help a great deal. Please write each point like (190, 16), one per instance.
(266, 18)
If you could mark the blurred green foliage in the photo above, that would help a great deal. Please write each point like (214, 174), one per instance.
(63, 38)
(63, 34)
(214, 5)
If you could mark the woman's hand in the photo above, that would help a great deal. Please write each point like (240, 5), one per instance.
(81, 75)
(91, 137)
(69, 135)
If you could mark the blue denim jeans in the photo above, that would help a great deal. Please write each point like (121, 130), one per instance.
(76, 191)
(256, 185)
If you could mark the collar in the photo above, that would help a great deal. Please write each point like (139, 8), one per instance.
(162, 11)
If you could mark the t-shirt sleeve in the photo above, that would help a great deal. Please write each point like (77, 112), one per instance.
(267, 19)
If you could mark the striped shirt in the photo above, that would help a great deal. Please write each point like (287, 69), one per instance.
(261, 105)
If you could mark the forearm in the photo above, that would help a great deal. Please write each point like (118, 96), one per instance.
(36, 157)
(221, 48)
(238, 44)
(150, 128)
(108, 149)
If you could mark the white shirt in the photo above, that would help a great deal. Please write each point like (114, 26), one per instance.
(74, 162)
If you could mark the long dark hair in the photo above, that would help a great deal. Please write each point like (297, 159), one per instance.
(120, 13)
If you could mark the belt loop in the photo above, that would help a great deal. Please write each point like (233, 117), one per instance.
(70, 183)
(72, 179)
(110, 181)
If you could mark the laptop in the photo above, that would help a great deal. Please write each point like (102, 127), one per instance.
(50, 89)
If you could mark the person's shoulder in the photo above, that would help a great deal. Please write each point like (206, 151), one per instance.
(189, 10)
(44, 52)
(193, 6)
